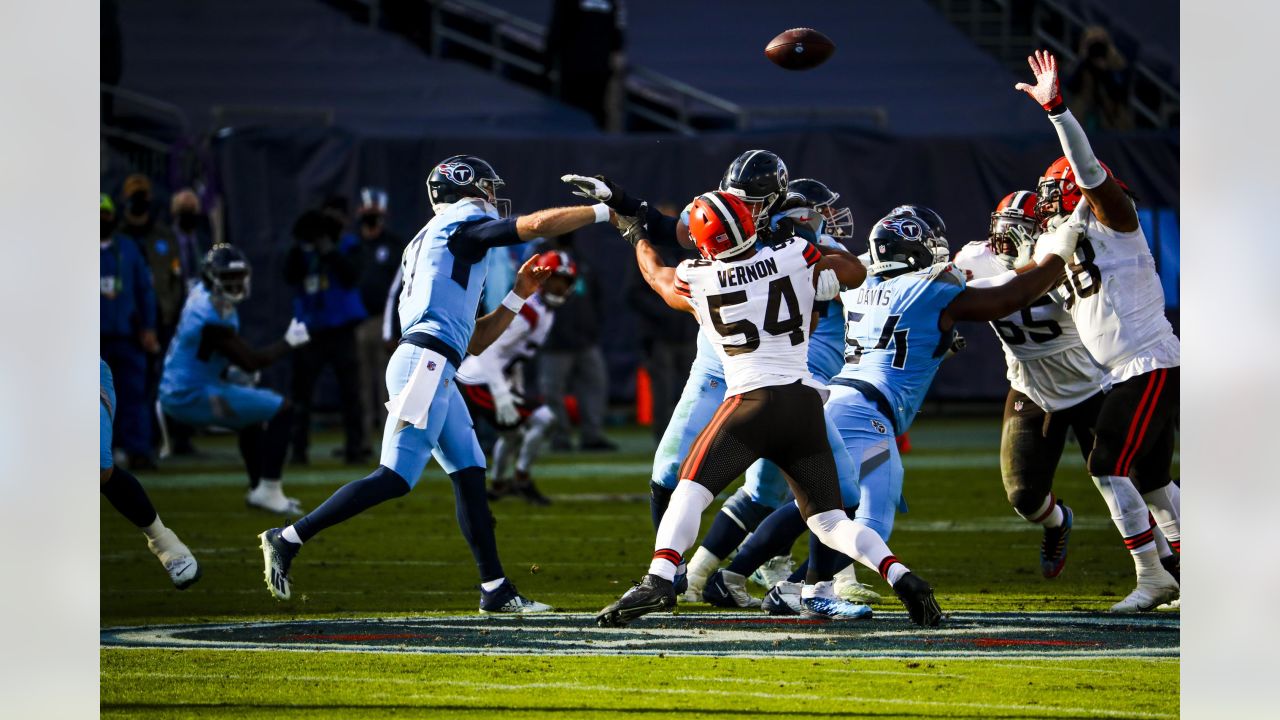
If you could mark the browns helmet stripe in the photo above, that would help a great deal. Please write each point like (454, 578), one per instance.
(725, 216)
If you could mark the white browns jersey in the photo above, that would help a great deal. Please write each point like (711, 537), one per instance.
(1042, 347)
(756, 312)
(1117, 301)
(520, 341)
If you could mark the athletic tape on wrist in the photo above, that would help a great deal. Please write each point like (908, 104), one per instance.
(513, 302)
(602, 212)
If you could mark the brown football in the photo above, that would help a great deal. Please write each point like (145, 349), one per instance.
(799, 49)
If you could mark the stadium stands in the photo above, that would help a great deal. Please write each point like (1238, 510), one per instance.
(301, 62)
(878, 63)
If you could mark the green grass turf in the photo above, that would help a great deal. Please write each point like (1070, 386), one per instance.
(406, 557)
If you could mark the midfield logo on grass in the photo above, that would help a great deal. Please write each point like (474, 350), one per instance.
(963, 635)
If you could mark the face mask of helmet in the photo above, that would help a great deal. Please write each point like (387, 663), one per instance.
(1007, 235)
(232, 285)
(491, 188)
(839, 221)
(1049, 204)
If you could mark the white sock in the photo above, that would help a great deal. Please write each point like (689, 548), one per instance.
(1128, 511)
(1148, 564)
(271, 487)
(1049, 514)
(535, 433)
(291, 535)
(1162, 546)
(154, 530)
(1165, 511)
(703, 563)
(491, 585)
(838, 532)
(679, 527)
(822, 589)
(504, 449)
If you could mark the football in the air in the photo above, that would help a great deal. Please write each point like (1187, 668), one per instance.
(799, 49)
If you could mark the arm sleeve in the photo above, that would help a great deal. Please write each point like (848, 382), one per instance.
(1075, 145)
(993, 281)
(661, 228)
(471, 240)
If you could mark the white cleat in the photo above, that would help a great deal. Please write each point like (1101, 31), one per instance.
(1171, 606)
(775, 570)
(272, 499)
(1149, 595)
(177, 559)
(784, 599)
(728, 590)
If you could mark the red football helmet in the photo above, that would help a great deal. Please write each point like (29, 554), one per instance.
(1058, 192)
(562, 266)
(721, 225)
(1016, 210)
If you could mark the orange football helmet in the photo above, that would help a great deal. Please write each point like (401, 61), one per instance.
(721, 225)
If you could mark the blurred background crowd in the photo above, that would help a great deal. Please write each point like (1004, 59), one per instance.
(230, 121)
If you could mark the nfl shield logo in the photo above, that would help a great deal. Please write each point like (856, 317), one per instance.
(431, 365)
(1017, 406)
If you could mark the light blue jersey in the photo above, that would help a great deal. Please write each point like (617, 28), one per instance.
(185, 369)
(441, 292)
(106, 414)
(892, 340)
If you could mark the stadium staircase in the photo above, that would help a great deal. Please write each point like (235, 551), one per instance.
(1145, 32)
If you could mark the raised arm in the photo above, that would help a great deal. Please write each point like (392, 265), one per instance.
(471, 240)
(661, 230)
(985, 304)
(1108, 201)
(490, 327)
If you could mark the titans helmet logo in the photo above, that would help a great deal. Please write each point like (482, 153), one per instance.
(906, 227)
(458, 172)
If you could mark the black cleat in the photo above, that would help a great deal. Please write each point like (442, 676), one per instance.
(651, 594)
(524, 487)
(917, 597)
(277, 556)
(1053, 547)
(499, 490)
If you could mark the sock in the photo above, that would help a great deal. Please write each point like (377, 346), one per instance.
(250, 440)
(275, 441)
(491, 585)
(800, 573)
(291, 535)
(476, 521)
(700, 567)
(1128, 511)
(271, 486)
(1164, 512)
(352, 499)
(724, 536)
(154, 530)
(679, 527)
(1049, 514)
(126, 495)
(535, 434)
(659, 498)
(1162, 545)
(823, 562)
(504, 451)
(774, 537)
(858, 541)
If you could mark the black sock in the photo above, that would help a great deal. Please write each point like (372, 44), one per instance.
(126, 495)
(724, 536)
(275, 442)
(659, 498)
(352, 499)
(476, 521)
(250, 440)
(824, 562)
(774, 537)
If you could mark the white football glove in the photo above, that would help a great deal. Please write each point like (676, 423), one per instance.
(828, 285)
(589, 187)
(1060, 241)
(504, 406)
(1026, 247)
(297, 333)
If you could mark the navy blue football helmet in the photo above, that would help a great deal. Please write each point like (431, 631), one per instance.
(465, 176)
(838, 221)
(226, 272)
(906, 240)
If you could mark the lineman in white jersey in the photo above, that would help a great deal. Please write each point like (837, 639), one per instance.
(1117, 304)
(1054, 384)
(492, 383)
(754, 305)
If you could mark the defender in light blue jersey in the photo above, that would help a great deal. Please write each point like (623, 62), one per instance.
(443, 272)
(194, 385)
(900, 328)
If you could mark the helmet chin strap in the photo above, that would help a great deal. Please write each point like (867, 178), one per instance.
(886, 266)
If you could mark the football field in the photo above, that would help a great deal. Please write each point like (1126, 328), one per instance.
(383, 620)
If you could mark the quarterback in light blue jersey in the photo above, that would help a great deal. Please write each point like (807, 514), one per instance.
(195, 389)
(443, 272)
